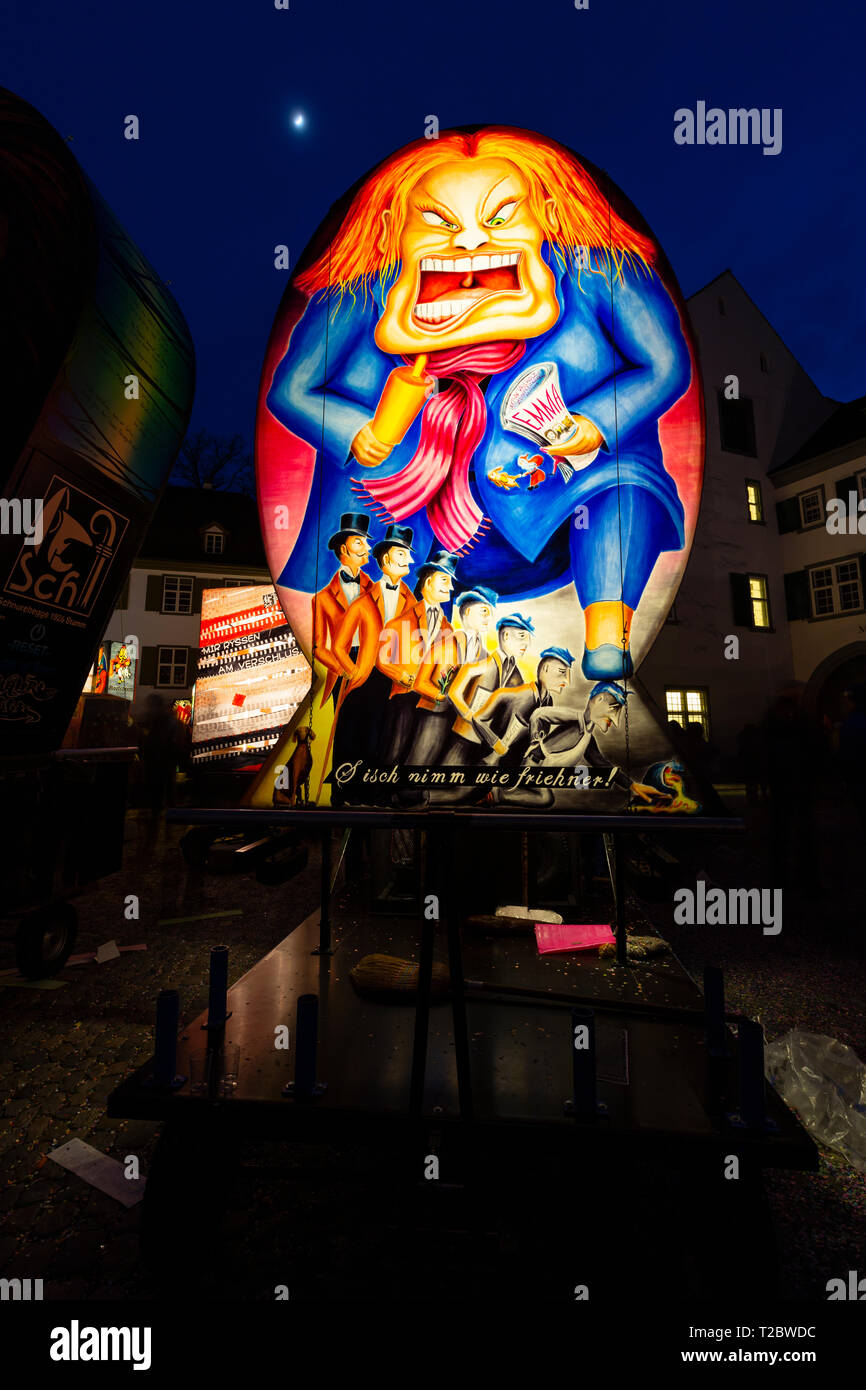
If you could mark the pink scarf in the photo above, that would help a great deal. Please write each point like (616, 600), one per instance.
(437, 476)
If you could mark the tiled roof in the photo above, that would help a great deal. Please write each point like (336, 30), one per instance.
(185, 512)
(845, 426)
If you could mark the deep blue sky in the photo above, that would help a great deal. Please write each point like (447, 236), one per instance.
(220, 176)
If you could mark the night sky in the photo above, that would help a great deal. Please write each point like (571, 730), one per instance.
(221, 175)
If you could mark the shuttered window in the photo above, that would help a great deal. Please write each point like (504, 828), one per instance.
(754, 500)
(836, 588)
(812, 507)
(177, 593)
(171, 666)
(797, 603)
(759, 599)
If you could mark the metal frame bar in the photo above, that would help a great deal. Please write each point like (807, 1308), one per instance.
(319, 817)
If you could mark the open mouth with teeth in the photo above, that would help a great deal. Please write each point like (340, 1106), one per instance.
(450, 288)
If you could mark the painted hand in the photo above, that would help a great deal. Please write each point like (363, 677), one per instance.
(645, 793)
(500, 478)
(587, 439)
(369, 450)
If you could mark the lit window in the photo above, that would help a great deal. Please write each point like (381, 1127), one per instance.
(689, 707)
(836, 589)
(176, 594)
(214, 542)
(811, 507)
(171, 666)
(759, 600)
(754, 501)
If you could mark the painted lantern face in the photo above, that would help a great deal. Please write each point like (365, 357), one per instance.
(485, 357)
(470, 262)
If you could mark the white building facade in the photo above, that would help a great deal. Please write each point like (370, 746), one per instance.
(761, 408)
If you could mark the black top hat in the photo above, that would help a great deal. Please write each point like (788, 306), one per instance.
(351, 524)
(395, 535)
(445, 560)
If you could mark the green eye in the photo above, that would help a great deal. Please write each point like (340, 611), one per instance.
(435, 220)
(501, 217)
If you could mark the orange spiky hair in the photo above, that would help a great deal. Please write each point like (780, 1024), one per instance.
(583, 217)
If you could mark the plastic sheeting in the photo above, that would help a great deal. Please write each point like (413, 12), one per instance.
(825, 1083)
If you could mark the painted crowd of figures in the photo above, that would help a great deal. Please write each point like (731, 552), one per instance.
(412, 688)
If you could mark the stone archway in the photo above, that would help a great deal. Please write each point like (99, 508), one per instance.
(843, 668)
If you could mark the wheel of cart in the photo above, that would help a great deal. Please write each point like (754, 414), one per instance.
(45, 939)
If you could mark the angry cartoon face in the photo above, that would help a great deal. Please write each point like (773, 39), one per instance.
(471, 269)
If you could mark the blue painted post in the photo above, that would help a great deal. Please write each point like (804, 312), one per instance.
(306, 1041)
(165, 1051)
(219, 978)
(750, 1037)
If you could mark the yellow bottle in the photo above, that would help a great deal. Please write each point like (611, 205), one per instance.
(403, 395)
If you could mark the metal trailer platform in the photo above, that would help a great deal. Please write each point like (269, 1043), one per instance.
(489, 1071)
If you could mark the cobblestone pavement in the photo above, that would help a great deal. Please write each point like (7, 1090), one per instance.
(65, 1050)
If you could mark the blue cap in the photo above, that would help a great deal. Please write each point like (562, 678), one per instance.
(557, 654)
(608, 688)
(478, 595)
(515, 620)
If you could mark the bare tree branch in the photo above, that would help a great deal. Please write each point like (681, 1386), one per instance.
(223, 463)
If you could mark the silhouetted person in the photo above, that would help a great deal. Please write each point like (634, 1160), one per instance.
(159, 749)
(700, 754)
(751, 753)
(795, 753)
(852, 750)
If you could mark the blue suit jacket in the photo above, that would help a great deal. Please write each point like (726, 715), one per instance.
(623, 361)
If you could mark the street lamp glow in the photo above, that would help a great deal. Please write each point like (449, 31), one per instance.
(299, 120)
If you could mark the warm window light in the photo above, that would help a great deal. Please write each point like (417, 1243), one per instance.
(760, 602)
(686, 707)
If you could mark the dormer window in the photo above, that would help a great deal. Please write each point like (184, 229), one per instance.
(214, 540)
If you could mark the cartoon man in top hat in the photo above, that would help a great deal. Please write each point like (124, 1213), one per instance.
(474, 684)
(445, 658)
(351, 546)
(515, 706)
(405, 644)
(363, 706)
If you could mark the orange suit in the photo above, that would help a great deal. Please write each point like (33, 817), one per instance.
(329, 608)
(403, 647)
(366, 616)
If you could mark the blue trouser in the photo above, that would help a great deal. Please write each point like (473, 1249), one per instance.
(613, 557)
